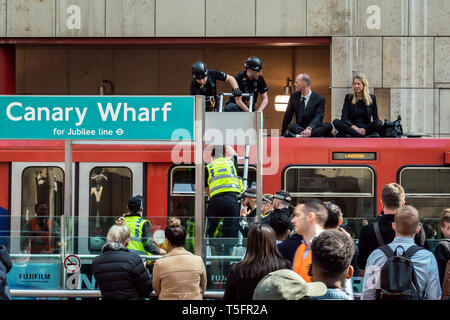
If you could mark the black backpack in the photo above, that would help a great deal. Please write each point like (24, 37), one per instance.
(392, 129)
(398, 278)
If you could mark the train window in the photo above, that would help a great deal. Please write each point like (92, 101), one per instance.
(42, 207)
(351, 188)
(109, 189)
(182, 189)
(427, 189)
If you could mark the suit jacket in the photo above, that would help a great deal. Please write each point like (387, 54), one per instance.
(312, 117)
(179, 275)
(349, 110)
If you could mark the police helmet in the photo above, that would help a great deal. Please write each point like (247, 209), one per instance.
(199, 70)
(253, 63)
(283, 195)
(136, 203)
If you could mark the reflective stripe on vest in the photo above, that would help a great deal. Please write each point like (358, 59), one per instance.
(136, 244)
(301, 265)
(222, 177)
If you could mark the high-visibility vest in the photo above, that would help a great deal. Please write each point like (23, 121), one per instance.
(136, 244)
(222, 177)
(190, 240)
(302, 264)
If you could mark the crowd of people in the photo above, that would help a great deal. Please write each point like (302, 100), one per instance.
(303, 255)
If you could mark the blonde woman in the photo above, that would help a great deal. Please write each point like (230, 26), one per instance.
(359, 113)
(179, 275)
(121, 274)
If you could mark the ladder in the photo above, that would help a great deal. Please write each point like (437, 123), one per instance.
(239, 249)
(247, 147)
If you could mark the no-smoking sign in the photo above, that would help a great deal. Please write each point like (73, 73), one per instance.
(72, 263)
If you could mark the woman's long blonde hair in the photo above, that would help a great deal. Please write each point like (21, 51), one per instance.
(366, 92)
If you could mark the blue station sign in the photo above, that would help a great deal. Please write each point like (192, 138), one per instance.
(97, 117)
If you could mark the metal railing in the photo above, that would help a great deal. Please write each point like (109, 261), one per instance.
(22, 293)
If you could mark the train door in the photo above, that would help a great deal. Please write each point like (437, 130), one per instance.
(37, 198)
(103, 193)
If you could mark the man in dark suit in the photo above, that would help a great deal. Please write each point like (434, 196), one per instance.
(309, 108)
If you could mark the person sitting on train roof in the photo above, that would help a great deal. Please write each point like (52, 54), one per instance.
(308, 108)
(359, 114)
(43, 232)
(250, 80)
(204, 84)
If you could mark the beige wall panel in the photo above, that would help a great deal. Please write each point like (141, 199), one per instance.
(356, 54)
(230, 18)
(392, 17)
(332, 17)
(442, 60)
(46, 71)
(416, 107)
(383, 103)
(2, 18)
(408, 62)
(338, 96)
(175, 72)
(281, 18)
(130, 18)
(429, 18)
(87, 68)
(31, 18)
(136, 71)
(92, 18)
(176, 18)
(443, 121)
(316, 63)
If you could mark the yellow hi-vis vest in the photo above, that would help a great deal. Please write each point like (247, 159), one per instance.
(222, 177)
(136, 245)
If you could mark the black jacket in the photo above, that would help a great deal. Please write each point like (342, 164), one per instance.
(368, 241)
(121, 274)
(349, 110)
(442, 254)
(289, 246)
(312, 117)
(5, 266)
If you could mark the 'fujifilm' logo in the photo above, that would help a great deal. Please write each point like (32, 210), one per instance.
(34, 276)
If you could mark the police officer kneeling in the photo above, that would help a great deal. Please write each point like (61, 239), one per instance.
(224, 186)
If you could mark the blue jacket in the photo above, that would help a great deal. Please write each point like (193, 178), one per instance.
(5, 266)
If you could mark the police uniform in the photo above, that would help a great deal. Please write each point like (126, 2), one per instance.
(256, 86)
(224, 187)
(209, 89)
(141, 235)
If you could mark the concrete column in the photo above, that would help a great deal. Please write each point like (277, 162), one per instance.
(8, 67)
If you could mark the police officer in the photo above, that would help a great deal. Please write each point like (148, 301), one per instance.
(224, 186)
(204, 84)
(141, 241)
(250, 80)
(281, 203)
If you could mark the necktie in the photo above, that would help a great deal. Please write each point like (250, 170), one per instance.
(303, 103)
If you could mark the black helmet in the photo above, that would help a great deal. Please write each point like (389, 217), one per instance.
(253, 63)
(199, 70)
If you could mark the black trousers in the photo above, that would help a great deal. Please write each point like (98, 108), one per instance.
(223, 205)
(322, 130)
(343, 128)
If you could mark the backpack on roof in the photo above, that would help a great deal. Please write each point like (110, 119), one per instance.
(398, 278)
(446, 283)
